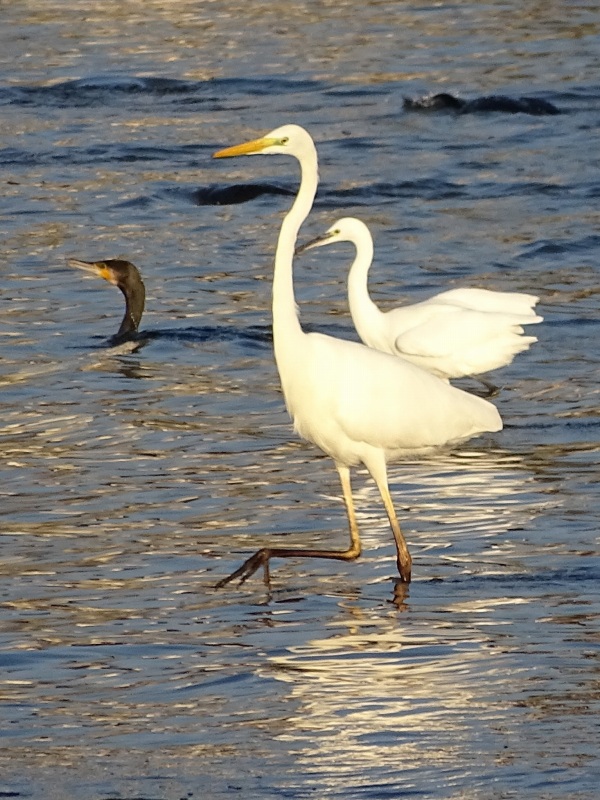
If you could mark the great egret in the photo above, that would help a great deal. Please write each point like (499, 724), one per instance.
(126, 276)
(357, 404)
(453, 334)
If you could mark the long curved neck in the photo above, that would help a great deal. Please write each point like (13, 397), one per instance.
(363, 310)
(135, 298)
(286, 325)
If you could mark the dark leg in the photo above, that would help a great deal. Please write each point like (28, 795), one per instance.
(263, 556)
(404, 559)
(492, 389)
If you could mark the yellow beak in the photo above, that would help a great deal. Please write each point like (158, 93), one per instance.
(247, 148)
(98, 268)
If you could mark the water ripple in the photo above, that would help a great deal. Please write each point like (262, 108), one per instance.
(133, 478)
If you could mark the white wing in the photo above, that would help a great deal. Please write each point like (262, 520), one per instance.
(465, 342)
(487, 300)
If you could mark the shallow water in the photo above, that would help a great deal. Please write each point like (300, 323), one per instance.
(131, 481)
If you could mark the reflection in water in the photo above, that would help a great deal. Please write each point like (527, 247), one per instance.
(441, 691)
(415, 704)
(375, 705)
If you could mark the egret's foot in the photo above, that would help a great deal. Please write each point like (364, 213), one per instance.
(491, 390)
(249, 567)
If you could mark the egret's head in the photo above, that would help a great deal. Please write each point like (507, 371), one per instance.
(347, 229)
(287, 140)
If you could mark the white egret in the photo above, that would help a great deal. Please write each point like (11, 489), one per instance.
(127, 278)
(453, 334)
(357, 404)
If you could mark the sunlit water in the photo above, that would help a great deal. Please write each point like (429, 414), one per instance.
(131, 482)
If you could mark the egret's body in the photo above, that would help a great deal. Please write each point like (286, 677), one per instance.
(127, 278)
(453, 334)
(358, 405)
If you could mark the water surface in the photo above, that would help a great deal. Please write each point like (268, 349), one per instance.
(133, 479)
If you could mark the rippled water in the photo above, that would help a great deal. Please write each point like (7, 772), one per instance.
(132, 480)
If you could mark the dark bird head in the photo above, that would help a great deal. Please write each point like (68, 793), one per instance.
(126, 276)
(434, 102)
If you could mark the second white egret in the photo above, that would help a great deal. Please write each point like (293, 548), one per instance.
(454, 334)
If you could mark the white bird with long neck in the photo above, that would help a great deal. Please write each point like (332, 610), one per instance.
(454, 334)
(360, 406)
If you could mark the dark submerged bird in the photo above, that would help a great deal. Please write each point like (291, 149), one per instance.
(126, 276)
(491, 103)
(238, 193)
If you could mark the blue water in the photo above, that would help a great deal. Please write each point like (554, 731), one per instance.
(131, 480)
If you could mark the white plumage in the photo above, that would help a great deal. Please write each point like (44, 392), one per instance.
(453, 334)
(357, 404)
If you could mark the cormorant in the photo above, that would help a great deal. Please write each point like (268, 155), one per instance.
(126, 276)
(490, 103)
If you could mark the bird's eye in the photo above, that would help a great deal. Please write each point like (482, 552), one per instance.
(284, 140)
